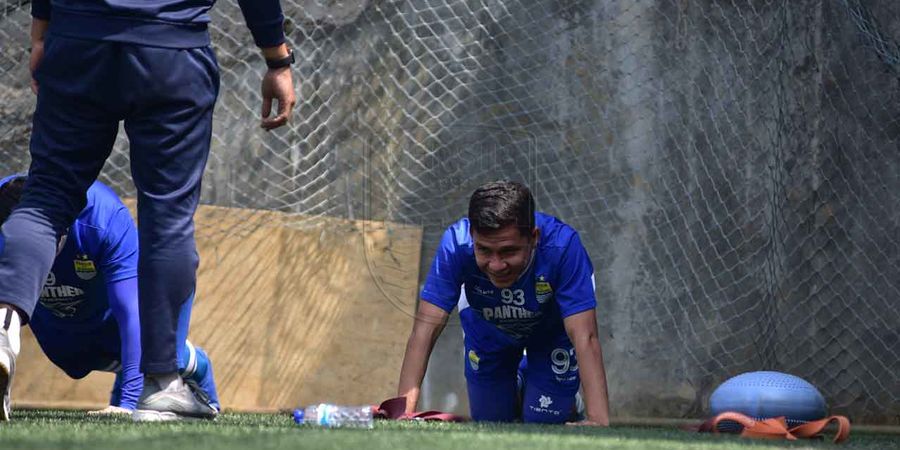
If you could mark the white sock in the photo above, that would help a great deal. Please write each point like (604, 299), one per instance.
(192, 360)
(9, 321)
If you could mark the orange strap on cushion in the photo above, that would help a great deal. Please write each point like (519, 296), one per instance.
(761, 429)
(815, 428)
(777, 427)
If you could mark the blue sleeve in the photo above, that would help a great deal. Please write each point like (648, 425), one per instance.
(123, 300)
(119, 254)
(40, 9)
(265, 21)
(445, 277)
(575, 279)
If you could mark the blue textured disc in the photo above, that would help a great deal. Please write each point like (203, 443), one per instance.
(763, 395)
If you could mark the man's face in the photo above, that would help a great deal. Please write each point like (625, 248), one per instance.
(503, 254)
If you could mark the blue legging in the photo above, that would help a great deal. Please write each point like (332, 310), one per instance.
(193, 362)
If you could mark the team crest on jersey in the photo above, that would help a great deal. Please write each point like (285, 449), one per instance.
(84, 267)
(474, 359)
(542, 290)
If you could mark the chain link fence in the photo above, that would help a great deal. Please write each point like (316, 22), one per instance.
(732, 166)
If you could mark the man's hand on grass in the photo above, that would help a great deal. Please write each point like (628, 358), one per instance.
(587, 423)
(109, 410)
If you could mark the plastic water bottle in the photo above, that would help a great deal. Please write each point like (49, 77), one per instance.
(334, 416)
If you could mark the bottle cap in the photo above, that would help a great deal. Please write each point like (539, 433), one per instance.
(298, 416)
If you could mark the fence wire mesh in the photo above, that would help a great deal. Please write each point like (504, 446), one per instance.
(732, 166)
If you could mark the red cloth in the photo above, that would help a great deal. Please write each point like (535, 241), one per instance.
(395, 409)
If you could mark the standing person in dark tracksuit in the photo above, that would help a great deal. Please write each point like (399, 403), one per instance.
(95, 63)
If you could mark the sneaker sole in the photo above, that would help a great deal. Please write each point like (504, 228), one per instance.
(5, 379)
(148, 415)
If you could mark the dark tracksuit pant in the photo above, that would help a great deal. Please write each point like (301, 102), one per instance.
(165, 98)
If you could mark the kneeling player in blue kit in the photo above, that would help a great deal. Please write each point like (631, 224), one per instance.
(87, 315)
(523, 282)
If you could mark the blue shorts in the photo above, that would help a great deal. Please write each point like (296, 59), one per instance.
(539, 387)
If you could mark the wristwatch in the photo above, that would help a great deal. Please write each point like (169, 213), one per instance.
(283, 62)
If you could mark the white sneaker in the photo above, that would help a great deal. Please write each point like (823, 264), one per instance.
(579, 407)
(7, 370)
(175, 402)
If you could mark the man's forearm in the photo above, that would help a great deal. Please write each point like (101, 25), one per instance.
(412, 372)
(265, 20)
(593, 378)
(123, 302)
(38, 30)
(582, 331)
(429, 324)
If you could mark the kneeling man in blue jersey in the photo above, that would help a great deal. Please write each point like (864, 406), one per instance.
(523, 283)
(87, 315)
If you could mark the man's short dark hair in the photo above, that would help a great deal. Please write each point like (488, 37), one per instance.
(10, 195)
(498, 204)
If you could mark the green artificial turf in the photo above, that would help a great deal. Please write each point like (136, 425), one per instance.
(43, 429)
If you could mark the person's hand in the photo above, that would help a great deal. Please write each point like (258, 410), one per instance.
(277, 85)
(37, 52)
(38, 31)
(587, 423)
(109, 411)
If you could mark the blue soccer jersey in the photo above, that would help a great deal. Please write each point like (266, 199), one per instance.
(86, 318)
(557, 283)
(101, 248)
(499, 323)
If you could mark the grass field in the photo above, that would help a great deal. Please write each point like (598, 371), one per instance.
(41, 429)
